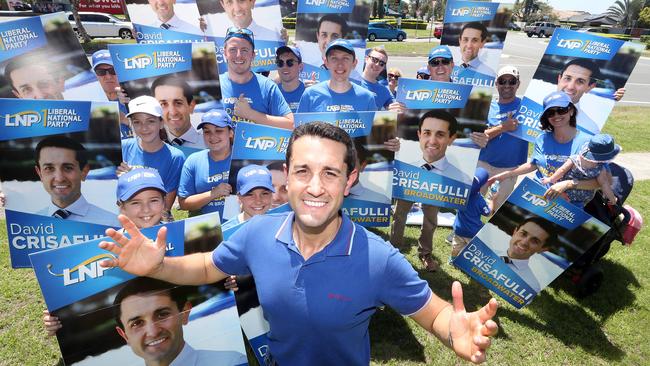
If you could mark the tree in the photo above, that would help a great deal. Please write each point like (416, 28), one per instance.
(621, 10)
(380, 9)
(81, 31)
(644, 18)
(374, 9)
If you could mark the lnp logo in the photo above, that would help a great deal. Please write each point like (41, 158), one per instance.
(89, 268)
(570, 44)
(138, 61)
(419, 95)
(535, 199)
(477, 11)
(25, 118)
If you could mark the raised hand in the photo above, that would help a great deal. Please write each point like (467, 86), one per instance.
(138, 254)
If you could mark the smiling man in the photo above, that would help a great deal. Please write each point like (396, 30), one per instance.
(240, 13)
(319, 276)
(440, 64)
(150, 315)
(376, 63)
(34, 76)
(62, 164)
(102, 65)
(165, 18)
(289, 62)
(472, 39)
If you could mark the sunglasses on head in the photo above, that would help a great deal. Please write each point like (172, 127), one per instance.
(377, 61)
(393, 76)
(559, 110)
(235, 30)
(507, 81)
(289, 63)
(102, 72)
(439, 61)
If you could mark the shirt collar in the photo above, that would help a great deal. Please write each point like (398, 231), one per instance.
(341, 245)
(79, 207)
(186, 357)
(190, 135)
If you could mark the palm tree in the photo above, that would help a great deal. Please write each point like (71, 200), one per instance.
(620, 11)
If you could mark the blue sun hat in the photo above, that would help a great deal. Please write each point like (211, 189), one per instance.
(601, 148)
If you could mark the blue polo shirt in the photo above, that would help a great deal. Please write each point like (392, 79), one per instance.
(320, 98)
(549, 155)
(261, 92)
(319, 310)
(505, 150)
(293, 97)
(383, 96)
(468, 220)
(200, 173)
(168, 161)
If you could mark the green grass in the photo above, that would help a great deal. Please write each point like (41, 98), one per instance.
(630, 128)
(102, 43)
(395, 48)
(609, 327)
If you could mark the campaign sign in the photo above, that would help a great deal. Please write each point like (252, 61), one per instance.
(368, 202)
(527, 243)
(107, 314)
(320, 22)
(263, 18)
(428, 94)
(475, 31)
(154, 20)
(41, 58)
(588, 67)
(172, 72)
(57, 161)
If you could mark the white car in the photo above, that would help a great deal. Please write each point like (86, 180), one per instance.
(103, 25)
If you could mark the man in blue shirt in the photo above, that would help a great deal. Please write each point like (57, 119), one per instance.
(102, 64)
(319, 276)
(338, 94)
(440, 64)
(376, 63)
(248, 96)
(289, 62)
(503, 152)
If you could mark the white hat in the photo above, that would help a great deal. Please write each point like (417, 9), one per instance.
(508, 70)
(145, 104)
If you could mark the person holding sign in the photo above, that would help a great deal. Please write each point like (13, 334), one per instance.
(376, 63)
(440, 64)
(289, 62)
(102, 65)
(248, 96)
(309, 260)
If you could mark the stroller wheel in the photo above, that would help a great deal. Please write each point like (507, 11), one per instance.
(590, 281)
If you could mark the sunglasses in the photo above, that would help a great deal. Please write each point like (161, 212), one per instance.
(507, 81)
(559, 110)
(377, 61)
(393, 76)
(234, 30)
(289, 63)
(439, 61)
(102, 72)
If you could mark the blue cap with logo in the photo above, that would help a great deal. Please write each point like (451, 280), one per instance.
(243, 33)
(216, 117)
(101, 57)
(253, 176)
(423, 70)
(340, 44)
(132, 182)
(440, 52)
(291, 49)
(556, 99)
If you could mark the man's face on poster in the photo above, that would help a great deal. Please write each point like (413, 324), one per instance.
(328, 32)
(61, 174)
(527, 240)
(153, 326)
(36, 82)
(176, 109)
(575, 81)
(434, 138)
(470, 44)
(164, 9)
(240, 12)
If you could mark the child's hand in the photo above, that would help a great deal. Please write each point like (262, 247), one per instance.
(231, 283)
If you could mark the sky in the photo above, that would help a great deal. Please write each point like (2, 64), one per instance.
(592, 6)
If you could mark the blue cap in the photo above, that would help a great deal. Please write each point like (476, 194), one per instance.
(243, 33)
(480, 178)
(291, 49)
(440, 52)
(216, 117)
(253, 176)
(101, 57)
(132, 182)
(556, 99)
(424, 70)
(601, 148)
(340, 44)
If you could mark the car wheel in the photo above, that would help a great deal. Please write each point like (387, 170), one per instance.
(372, 37)
(126, 34)
(529, 34)
(540, 34)
(400, 37)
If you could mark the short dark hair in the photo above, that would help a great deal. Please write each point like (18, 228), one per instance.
(443, 115)
(27, 59)
(478, 26)
(62, 142)
(276, 165)
(545, 125)
(174, 80)
(587, 64)
(326, 131)
(544, 224)
(334, 18)
(147, 285)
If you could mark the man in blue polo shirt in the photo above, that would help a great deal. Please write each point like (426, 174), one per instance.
(376, 63)
(248, 96)
(102, 64)
(319, 276)
(338, 94)
(289, 62)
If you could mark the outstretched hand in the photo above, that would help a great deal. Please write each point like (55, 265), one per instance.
(138, 254)
(470, 332)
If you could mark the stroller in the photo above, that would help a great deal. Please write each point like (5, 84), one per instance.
(586, 273)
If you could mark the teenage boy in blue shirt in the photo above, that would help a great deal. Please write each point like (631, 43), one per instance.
(289, 62)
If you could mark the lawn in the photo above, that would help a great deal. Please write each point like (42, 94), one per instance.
(630, 127)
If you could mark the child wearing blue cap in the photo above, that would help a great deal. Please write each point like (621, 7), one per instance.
(468, 220)
(588, 164)
(204, 184)
(254, 192)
